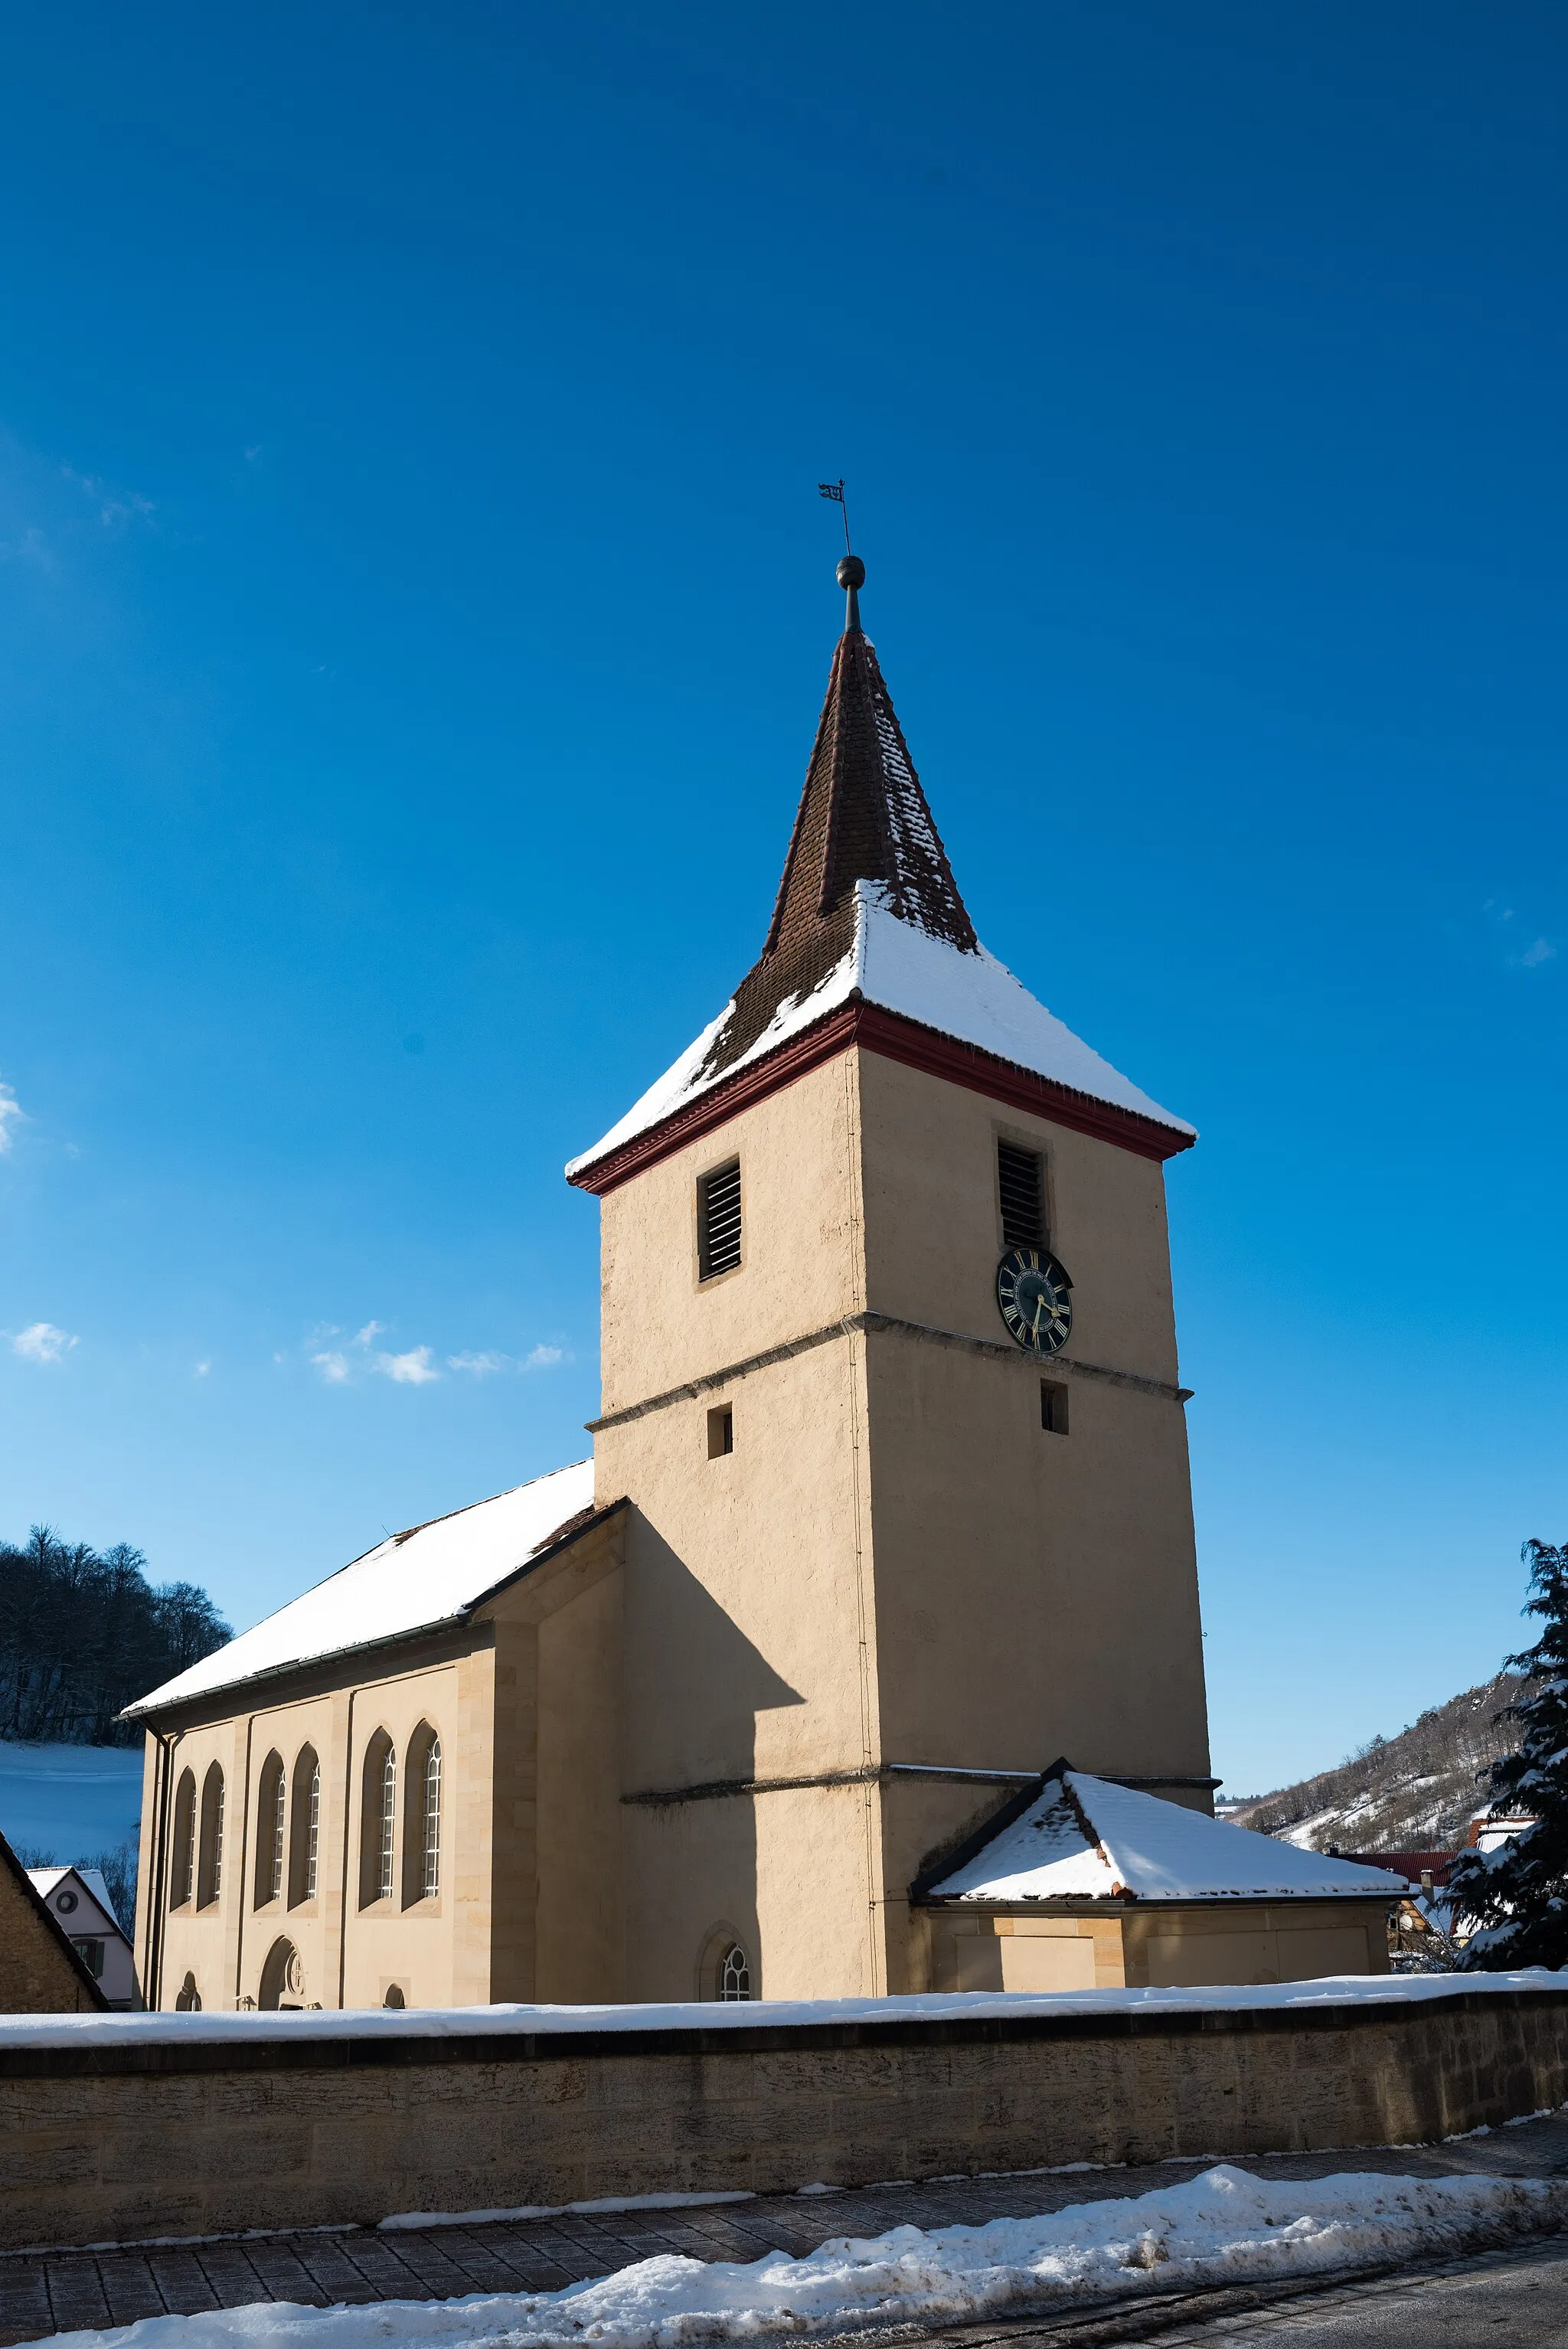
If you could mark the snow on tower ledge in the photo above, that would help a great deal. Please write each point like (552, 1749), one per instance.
(967, 996)
(1083, 1838)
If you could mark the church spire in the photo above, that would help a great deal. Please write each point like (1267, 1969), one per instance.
(863, 817)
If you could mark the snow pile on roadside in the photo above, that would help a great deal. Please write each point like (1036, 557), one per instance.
(1226, 2227)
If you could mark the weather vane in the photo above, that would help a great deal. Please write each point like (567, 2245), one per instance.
(835, 490)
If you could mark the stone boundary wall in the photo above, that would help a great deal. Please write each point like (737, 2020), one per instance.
(107, 2137)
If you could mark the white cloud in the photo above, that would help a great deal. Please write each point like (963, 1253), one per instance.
(413, 1369)
(1541, 951)
(484, 1365)
(201, 1370)
(42, 1342)
(334, 1368)
(115, 507)
(371, 1329)
(12, 1114)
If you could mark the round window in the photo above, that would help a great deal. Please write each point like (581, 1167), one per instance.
(65, 1901)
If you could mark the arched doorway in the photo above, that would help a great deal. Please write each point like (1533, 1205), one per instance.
(282, 1977)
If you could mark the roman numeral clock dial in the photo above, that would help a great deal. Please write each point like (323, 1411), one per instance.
(1034, 1297)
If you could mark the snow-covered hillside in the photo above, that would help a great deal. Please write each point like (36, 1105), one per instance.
(1414, 1792)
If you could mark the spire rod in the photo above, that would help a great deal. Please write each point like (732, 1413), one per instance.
(851, 570)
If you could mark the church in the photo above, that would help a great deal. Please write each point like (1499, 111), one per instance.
(884, 1557)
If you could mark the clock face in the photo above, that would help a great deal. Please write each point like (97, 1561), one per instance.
(1036, 1299)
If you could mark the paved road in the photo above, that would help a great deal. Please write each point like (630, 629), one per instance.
(59, 2292)
(1519, 2298)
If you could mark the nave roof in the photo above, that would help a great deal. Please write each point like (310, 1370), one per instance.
(418, 1580)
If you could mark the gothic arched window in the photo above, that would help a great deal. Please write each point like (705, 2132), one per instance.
(210, 1866)
(272, 1826)
(182, 1875)
(422, 1818)
(724, 1968)
(304, 1834)
(431, 1874)
(282, 1977)
(378, 1821)
(735, 1973)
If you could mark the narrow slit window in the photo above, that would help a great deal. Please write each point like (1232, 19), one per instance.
(280, 1831)
(1053, 1407)
(1020, 1186)
(389, 1814)
(313, 1833)
(430, 1883)
(720, 1431)
(718, 1221)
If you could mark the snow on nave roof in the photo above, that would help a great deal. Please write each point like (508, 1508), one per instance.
(966, 994)
(1086, 1838)
(411, 1582)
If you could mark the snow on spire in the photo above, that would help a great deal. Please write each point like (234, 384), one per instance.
(863, 817)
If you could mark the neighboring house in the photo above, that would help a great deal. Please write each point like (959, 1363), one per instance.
(1487, 1833)
(1080, 1883)
(1424, 1867)
(77, 1899)
(40, 1973)
(888, 1505)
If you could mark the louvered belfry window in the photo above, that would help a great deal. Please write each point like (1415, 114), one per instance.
(1021, 1186)
(718, 1221)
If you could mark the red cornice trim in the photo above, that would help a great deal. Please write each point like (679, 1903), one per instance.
(808, 1051)
(896, 1038)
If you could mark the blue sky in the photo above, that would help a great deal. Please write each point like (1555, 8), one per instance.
(415, 608)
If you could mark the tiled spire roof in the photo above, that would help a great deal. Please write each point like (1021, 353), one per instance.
(870, 944)
(863, 817)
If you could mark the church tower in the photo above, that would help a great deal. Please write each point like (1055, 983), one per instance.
(890, 1384)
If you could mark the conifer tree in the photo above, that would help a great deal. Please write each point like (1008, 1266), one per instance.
(1517, 1895)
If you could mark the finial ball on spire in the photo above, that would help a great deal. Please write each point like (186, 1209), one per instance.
(852, 570)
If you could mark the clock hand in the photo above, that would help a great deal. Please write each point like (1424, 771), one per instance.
(1039, 1302)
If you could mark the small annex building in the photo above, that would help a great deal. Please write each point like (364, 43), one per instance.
(80, 1902)
(1081, 1884)
(43, 1975)
(889, 1503)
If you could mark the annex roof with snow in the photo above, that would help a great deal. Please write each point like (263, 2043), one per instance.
(870, 942)
(1076, 1838)
(431, 1575)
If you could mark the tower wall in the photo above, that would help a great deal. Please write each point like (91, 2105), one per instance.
(897, 1568)
(1036, 1593)
(751, 1654)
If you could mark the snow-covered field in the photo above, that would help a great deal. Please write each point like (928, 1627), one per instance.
(1226, 2227)
(74, 1801)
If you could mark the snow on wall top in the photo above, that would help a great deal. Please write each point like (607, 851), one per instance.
(432, 1574)
(1086, 1838)
(972, 998)
(213, 2027)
